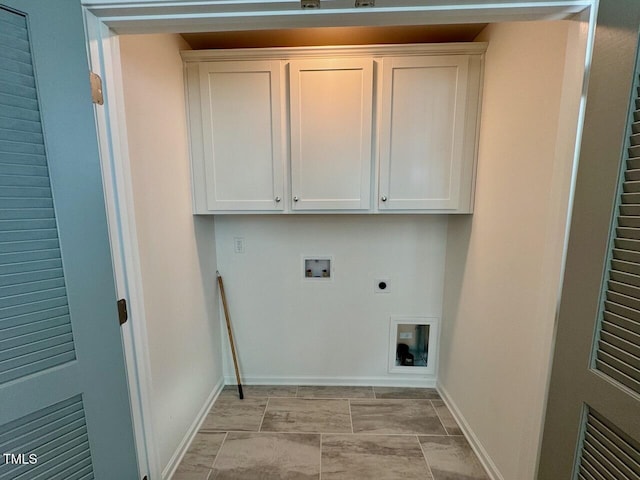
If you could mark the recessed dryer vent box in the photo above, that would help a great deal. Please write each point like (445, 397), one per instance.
(317, 268)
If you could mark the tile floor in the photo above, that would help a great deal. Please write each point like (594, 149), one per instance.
(329, 433)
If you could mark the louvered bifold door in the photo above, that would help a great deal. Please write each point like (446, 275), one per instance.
(617, 352)
(64, 409)
(597, 338)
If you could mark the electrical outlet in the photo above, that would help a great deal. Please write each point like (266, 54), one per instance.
(238, 244)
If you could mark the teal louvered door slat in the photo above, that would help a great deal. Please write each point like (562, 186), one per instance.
(607, 452)
(57, 436)
(64, 411)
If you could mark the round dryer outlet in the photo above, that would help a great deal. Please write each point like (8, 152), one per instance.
(382, 285)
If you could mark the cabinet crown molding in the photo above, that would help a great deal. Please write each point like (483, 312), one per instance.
(377, 51)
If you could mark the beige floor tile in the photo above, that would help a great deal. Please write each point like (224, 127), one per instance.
(186, 472)
(307, 415)
(268, 456)
(203, 450)
(379, 457)
(335, 392)
(446, 418)
(451, 458)
(417, 417)
(233, 414)
(400, 393)
(288, 446)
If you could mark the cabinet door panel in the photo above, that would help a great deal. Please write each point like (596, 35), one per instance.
(241, 123)
(421, 138)
(331, 106)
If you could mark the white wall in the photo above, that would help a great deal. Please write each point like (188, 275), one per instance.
(291, 330)
(503, 264)
(177, 253)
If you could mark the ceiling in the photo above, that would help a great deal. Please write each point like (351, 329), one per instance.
(302, 37)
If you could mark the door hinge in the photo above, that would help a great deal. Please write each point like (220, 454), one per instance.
(96, 88)
(123, 315)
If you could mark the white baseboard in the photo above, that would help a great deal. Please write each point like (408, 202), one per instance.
(483, 456)
(176, 458)
(395, 381)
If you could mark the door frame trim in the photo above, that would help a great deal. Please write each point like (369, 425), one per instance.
(104, 60)
(154, 16)
(106, 19)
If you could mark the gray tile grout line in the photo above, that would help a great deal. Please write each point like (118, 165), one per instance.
(287, 433)
(350, 415)
(424, 456)
(218, 454)
(320, 470)
(365, 434)
(440, 419)
(335, 398)
(264, 413)
(353, 398)
(332, 398)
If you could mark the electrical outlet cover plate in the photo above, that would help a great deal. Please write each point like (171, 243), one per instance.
(382, 285)
(238, 244)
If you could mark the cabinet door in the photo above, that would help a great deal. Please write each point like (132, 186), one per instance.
(241, 133)
(422, 132)
(331, 105)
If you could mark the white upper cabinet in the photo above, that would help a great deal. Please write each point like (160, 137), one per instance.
(347, 129)
(330, 126)
(426, 123)
(240, 166)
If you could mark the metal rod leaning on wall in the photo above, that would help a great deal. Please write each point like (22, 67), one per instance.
(233, 347)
